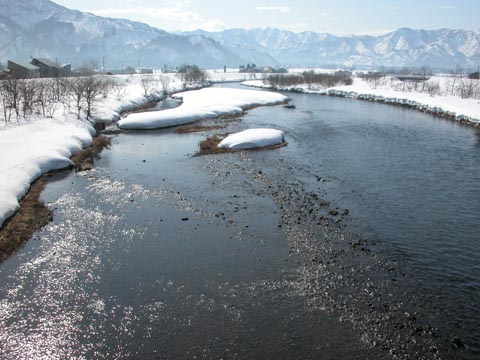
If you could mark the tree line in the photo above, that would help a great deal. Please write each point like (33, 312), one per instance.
(309, 78)
(79, 94)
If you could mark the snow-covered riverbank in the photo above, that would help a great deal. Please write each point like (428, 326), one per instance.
(453, 107)
(35, 145)
(202, 104)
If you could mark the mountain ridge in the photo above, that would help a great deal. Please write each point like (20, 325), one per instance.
(440, 48)
(42, 28)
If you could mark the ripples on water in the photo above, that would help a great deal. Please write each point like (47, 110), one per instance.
(52, 308)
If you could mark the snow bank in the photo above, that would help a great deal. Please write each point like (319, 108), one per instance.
(109, 109)
(253, 138)
(31, 150)
(34, 146)
(202, 104)
(463, 110)
(467, 110)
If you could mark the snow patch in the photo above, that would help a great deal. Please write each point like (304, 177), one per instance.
(34, 149)
(253, 138)
(202, 104)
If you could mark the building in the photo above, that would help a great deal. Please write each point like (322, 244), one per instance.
(144, 71)
(66, 69)
(4, 74)
(22, 70)
(47, 68)
(129, 71)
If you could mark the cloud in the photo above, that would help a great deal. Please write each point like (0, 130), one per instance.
(178, 12)
(213, 25)
(447, 7)
(283, 9)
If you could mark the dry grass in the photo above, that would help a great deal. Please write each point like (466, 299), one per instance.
(271, 147)
(84, 160)
(209, 146)
(186, 129)
(33, 214)
(141, 108)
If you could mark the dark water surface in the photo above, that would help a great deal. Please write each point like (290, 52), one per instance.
(357, 240)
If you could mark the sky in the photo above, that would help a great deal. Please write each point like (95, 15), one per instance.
(340, 17)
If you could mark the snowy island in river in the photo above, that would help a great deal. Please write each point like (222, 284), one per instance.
(253, 138)
(202, 104)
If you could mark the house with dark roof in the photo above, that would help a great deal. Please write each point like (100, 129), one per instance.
(66, 69)
(22, 70)
(4, 74)
(47, 67)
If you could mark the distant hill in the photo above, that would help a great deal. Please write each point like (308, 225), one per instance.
(442, 48)
(41, 28)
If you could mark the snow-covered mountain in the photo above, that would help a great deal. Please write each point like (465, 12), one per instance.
(443, 48)
(41, 28)
(241, 43)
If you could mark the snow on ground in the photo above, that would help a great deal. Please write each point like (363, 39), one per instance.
(202, 104)
(34, 146)
(461, 109)
(219, 76)
(109, 109)
(253, 138)
(30, 150)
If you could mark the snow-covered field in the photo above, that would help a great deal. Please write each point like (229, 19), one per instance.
(444, 105)
(219, 76)
(202, 104)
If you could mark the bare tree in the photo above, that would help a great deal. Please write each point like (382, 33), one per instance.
(147, 85)
(191, 73)
(76, 88)
(119, 90)
(165, 82)
(6, 101)
(432, 87)
(457, 73)
(12, 88)
(93, 86)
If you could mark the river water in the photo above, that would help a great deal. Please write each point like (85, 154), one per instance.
(357, 240)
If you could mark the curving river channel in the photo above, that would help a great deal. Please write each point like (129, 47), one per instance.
(358, 240)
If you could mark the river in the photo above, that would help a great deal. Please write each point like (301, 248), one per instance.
(357, 240)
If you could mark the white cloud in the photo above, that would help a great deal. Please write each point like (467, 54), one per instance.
(213, 25)
(447, 7)
(283, 9)
(177, 12)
